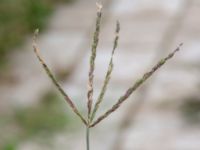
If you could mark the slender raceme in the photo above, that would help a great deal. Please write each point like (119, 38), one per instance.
(92, 60)
(108, 74)
(136, 86)
(53, 79)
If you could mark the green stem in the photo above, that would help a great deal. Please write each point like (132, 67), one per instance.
(88, 138)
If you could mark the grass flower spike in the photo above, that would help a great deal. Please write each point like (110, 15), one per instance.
(108, 74)
(53, 79)
(92, 59)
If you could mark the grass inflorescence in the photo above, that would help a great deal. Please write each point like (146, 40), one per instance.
(90, 121)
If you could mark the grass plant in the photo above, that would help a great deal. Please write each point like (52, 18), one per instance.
(91, 121)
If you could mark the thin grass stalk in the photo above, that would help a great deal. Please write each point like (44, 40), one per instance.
(92, 59)
(88, 138)
(108, 74)
(53, 79)
(137, 84)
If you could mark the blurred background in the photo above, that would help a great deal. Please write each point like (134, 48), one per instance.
(163, 114)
